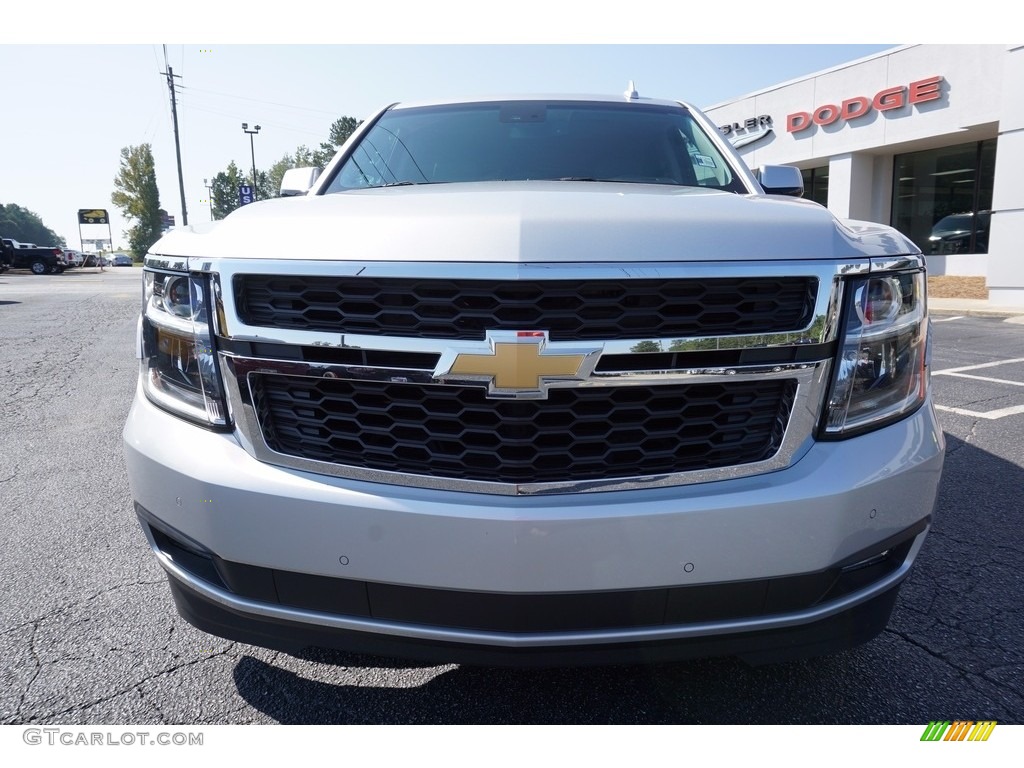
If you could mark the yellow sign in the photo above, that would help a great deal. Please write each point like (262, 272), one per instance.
(92, 216)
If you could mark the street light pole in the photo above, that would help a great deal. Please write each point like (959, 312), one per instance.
(252, 149)
(209, 195)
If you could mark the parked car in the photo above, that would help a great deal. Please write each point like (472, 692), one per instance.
(121, 260)
(42, 261)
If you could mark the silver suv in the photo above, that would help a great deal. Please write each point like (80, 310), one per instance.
(554, 381)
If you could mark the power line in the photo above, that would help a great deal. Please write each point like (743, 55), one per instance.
(271, 124)
(258, 101)
(164, 107)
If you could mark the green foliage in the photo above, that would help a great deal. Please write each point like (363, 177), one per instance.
(307, 158)
(646, 346)
(698, 345)
(137, 195)
(21, 224)
(341, 129)
(276, 173)
(264, 188)
(224, 189)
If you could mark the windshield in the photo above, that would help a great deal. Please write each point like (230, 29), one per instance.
(536, 140)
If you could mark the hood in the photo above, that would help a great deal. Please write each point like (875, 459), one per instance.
(533, 222)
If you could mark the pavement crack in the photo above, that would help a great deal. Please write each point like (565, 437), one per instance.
(968, 439)
(36, 671)
(136, 686)
(34, 622)
(967, 675)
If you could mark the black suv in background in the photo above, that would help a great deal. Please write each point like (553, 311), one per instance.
(952, 234)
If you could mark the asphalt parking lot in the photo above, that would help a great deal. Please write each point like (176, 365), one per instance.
(88, 632)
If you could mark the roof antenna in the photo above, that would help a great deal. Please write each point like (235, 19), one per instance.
(631, 91)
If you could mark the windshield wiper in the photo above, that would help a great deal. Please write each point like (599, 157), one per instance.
(411, 183)
(625, 180)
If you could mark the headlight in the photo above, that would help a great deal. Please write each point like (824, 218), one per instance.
(179, 363)
(881, 373)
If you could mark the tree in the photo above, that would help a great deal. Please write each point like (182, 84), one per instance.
(276, 173)
(21, 224)
(307, 158)
(264, 188)
(342, 128)
(646, 346)
(138, 197)
(224, 190)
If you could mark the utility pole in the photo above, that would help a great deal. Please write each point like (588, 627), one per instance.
(245, 127)
(177, 146)
(209, 195)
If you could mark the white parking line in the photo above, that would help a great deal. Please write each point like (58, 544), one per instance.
(950, 371)
(987, 378)
(946, 319)
(959, 372)
(991, 415)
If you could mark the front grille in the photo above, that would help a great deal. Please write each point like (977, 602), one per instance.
(576, 434)
(604, 310)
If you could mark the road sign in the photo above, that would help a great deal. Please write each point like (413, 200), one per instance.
(92, 216)
(244, 194)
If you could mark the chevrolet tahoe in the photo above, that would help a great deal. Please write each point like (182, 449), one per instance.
(536, 380)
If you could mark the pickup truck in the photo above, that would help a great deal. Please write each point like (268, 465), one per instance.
(41, 261)
(536, 380)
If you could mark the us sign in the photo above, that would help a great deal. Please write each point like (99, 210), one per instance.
(244, 194)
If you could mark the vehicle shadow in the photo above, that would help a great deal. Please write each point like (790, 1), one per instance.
(471, 695)
(952, 645)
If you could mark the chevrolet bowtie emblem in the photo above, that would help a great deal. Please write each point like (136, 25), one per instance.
(519, 364)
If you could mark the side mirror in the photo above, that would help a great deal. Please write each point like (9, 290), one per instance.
(781, 180)
(298, 181)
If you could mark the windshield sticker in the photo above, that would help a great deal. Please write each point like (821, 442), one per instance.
(704, 161)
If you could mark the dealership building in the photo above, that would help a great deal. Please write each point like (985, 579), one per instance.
(926, 138)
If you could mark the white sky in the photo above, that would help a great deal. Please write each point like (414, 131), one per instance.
(67, 109)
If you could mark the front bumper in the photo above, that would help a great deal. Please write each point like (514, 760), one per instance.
(284, 558)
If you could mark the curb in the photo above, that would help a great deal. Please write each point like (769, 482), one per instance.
(1005, 313)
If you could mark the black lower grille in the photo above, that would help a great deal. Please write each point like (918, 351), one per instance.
(532, 612)
(567, 309)
(575, 434)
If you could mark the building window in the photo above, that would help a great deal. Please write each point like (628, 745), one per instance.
(942, 198)
(816, 184)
